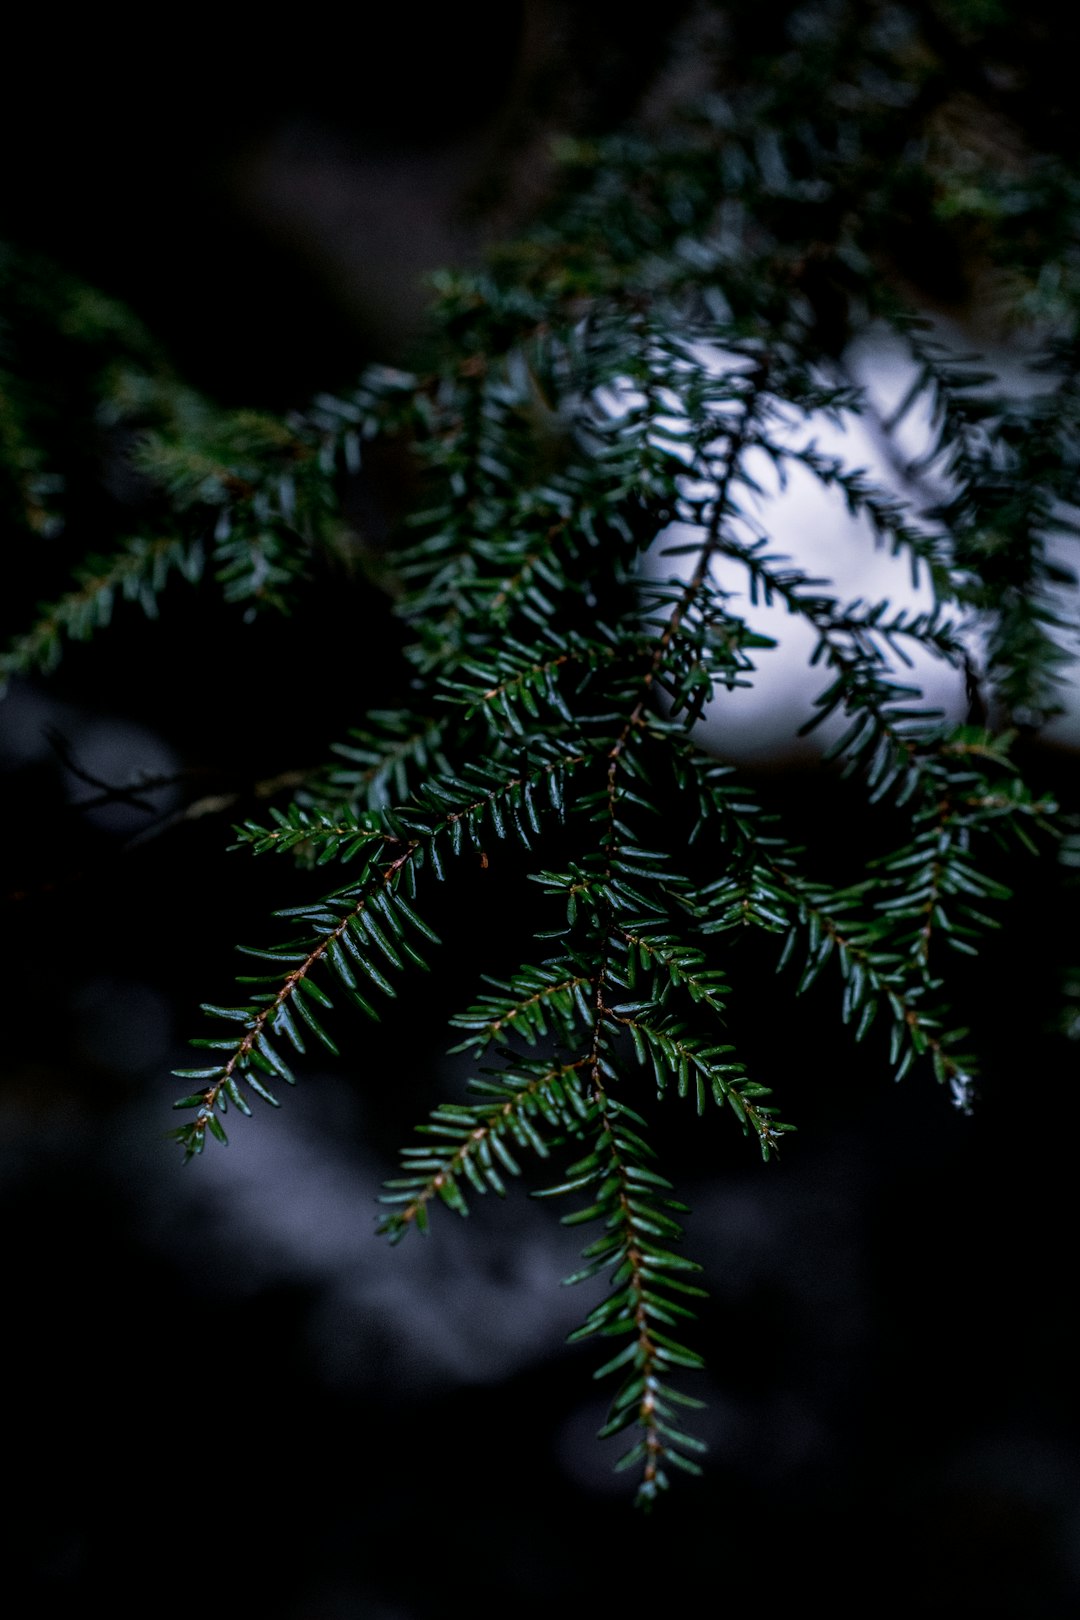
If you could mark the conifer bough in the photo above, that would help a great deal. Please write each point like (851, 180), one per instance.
(626, 366)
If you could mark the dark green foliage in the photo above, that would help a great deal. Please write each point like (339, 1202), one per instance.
(636, 360)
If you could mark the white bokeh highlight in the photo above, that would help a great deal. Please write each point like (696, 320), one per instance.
(811, 527)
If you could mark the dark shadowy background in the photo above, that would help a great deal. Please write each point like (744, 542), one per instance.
(217, 1379)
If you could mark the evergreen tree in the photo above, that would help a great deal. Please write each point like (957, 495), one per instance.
(634, 358)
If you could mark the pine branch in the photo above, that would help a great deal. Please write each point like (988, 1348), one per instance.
(384, 761)
(472, 1141)
(528, 1001)
(138, 574)
(635, 361)
(631, 1200)
(351, 941)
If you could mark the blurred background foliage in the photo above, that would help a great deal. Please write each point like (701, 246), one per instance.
(219, 1378)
